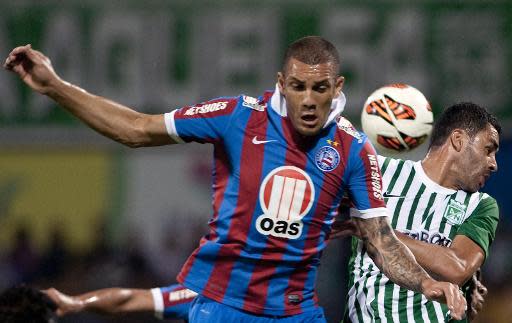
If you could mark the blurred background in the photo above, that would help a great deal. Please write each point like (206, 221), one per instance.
(79, 212)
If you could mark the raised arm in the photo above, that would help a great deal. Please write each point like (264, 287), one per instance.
(109, 118)
(397, 262)
(104, 301)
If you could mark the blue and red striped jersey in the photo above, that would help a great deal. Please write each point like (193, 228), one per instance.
(275, 196)
(173, 301)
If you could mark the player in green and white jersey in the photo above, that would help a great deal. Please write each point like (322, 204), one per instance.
(436, 210)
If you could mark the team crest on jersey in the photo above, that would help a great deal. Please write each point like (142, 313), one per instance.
(346, 126)
(455, 212)
(253, 103)
(286, 196)
(327, 158)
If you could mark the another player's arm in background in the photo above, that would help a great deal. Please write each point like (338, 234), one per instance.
(468, 250)
(109, 118)
(455, 264)
(104, 301)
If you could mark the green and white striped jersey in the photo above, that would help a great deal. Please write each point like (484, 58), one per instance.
(425, 211)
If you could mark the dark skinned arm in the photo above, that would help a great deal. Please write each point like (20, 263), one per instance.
(455, 264)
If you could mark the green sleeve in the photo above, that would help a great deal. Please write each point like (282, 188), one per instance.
(481, 224)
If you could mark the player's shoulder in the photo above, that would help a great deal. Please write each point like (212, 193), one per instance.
(259, 104)
(227, 105)
(347, 130)
(393, 162)
(482, 202)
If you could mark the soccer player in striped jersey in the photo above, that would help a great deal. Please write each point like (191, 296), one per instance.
(282, 163)
(171, 302)
(437, 211)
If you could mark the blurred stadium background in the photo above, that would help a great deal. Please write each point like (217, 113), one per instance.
(78, 212)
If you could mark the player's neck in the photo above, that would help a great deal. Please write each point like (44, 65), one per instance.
(439, 167)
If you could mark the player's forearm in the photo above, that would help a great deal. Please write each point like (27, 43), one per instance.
(392, 256)
(441, 262)
(111, 119)
(117, 300)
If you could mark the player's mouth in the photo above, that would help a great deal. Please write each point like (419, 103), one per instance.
(310, 120)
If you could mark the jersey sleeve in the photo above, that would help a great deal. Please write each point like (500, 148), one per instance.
(204, 123)
(172, 302)
(482, 223)
(365, 183)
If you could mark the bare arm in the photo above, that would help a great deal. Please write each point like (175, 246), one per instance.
(455, 264)
(109, 118)
(390, 255)
(105, 301)
(397, 262)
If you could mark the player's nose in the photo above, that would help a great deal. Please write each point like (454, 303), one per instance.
(308, 100)
(493, 164)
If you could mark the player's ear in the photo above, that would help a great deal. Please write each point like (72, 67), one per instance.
(280, 82)
(340, 80)
(458, 139)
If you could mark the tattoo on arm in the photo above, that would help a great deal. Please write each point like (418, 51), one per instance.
(390, 254)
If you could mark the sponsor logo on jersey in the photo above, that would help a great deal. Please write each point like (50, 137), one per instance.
(346, 126)
(286, 196)
(433, 238)
(206, 108)
(454, 212)
(388, 195)
(181, 294)
(327, 158)
(375, 176)
(253, 103)
(256, 141)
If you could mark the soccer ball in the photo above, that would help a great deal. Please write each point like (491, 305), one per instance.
(397, 118)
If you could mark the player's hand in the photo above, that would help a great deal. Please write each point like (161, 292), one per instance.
(447, 293)
(342, 228)
(32, 67)
(65, 304)
(476, 295)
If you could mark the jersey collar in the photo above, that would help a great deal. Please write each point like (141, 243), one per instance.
(430, 183)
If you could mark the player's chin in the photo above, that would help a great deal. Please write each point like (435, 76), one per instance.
(309, 132)
(308, 129)
(473, 188)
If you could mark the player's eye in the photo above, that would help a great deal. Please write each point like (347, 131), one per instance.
(321, 87)
(297, 86)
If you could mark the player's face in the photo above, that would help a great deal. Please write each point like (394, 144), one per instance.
(309, 91)
(479, 159)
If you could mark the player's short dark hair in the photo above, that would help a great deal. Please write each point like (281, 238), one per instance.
(312, 50)
(26, 304)
(467, 116)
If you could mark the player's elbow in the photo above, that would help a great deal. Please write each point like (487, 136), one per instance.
(459, 272)
(137, 134)
(132, 143)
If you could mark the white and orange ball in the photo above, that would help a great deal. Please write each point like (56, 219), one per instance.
(397, 118)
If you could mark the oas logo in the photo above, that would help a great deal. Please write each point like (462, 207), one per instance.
(327, 158)
(286, 196)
